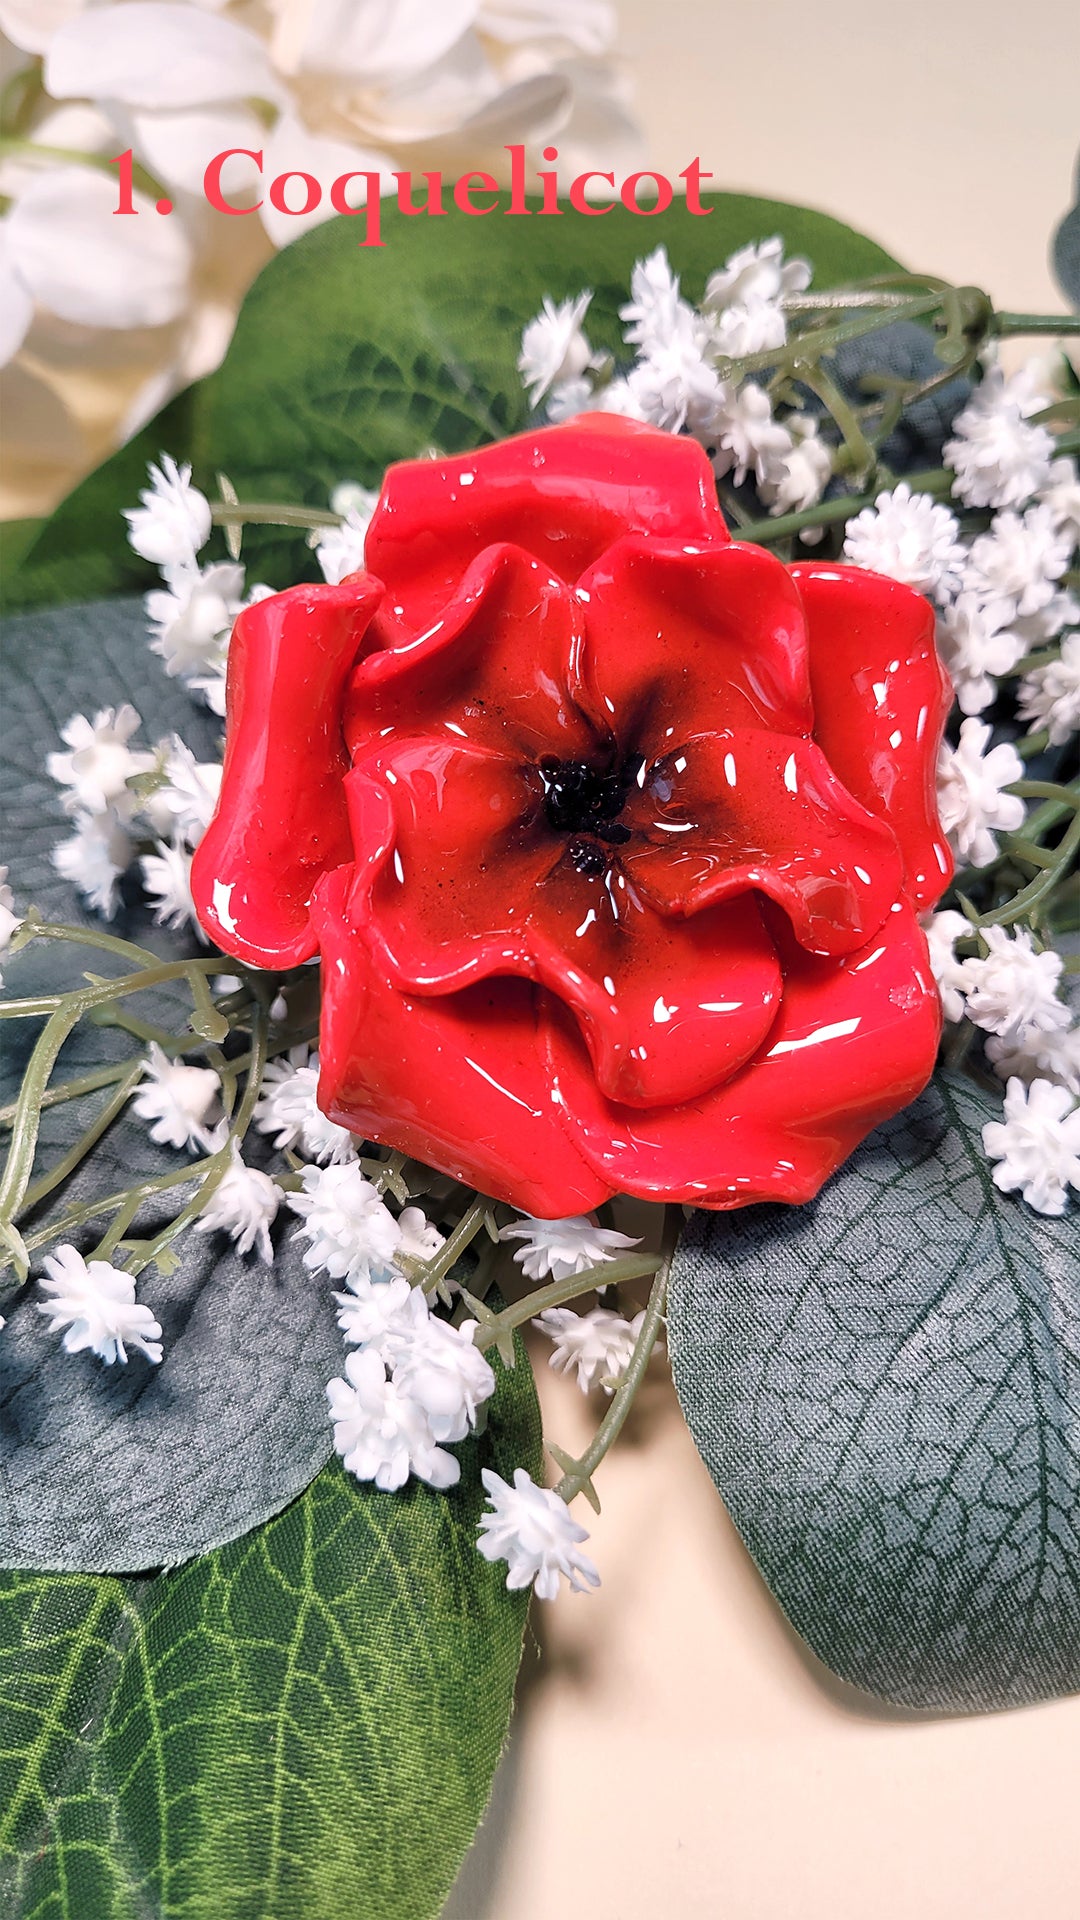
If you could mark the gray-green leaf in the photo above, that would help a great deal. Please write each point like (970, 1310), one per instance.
(885, 1387)
(305, 1723)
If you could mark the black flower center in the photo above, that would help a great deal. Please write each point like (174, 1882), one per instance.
(585, 802)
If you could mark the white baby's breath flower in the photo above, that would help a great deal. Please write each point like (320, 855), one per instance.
(655, 309)
(288, 1108)
(758, 326)
(534, 1532)
(977, 641)
(909, 537)
(379, 1313)
(568, 398)
(177, 1100)
(381, 1433)
(1038, 1054)
(942, 931)
(100, 763)
(1050, 696)
(420, 1239)
(747, 439)
(756, 272)
(1018, 561)
(353, 1234)
(971, 802)
(675, 385)
(439, 1369)
(191, 619)
(1012, 990)
(1037, 1145)
(184, 804)
(1062, 495)
(340, 550)
(212, 687)
(166, 876)
(802, 474)
(563, 1247)
(244, 1205)
(10, 921)
(95, 1303)
(94, 858)
(999, 458)
(596, 1345)
(553, 346)
(173, 521)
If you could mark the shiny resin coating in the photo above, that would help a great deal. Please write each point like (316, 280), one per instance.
(611, 833)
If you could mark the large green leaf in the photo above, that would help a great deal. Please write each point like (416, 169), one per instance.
(885, 1387)
(304, 1723)
(345, 360)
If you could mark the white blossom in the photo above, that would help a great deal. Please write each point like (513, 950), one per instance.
(1060, 611)
(192, 617)
(799, 478)
(174, 519)
(352, 1231)
(758, 326)
(598, 1345)
(340, 550)
(100, 763)
(563, 1247)
(440, 1370)
(1037, 1145)
(1038, 1054)
(348, 496)
(1062, 495)
(977, 641)
(184, 803)
(94, 858)
(1018, 561)
(568, 398)
(288, 1108)
(999, 458)
(166, 876)
(909, 537)
(10, 921)
(177, 1100)
(553, 346)
(244, 1205)
(535, 1533)
(942, 931)
(971, 802)
(748, 439)
(757, 272)
(379, 1313)
(1050, 696)
(675, 385)
(1012, 989)
(655, 310)
(420, 1239)
(95, 1303)
(381, 1433)
(212, 687)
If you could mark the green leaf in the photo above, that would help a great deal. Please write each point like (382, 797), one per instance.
(885, 1387)
(305, 1723)
(123, 1468)
(345, 360)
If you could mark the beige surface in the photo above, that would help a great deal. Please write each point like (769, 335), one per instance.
(677, 1755)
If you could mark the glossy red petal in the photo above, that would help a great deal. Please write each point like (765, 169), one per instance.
(565, 493)
(493, 669)
(281, 820)
(455, 1081)
(750, 809)
(855, 1041)
(667, 1007)
(881, 698)
(683, 639)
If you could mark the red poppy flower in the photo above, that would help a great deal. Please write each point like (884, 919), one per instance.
(611, 832)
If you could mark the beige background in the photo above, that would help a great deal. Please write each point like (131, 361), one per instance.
(678, 1755)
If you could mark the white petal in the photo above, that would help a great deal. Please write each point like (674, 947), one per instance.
(588, 25)
(292, 149)
(177, 148)
(87, 264)
(16, 303)
(377, 40)
(32, 23)
(152, 54)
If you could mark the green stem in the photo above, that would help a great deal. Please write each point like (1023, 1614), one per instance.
(1030, 896)
(87, 998)
(35, 149)
(578, 1478)
(607, 1274)
(34, 929)
(805, 349)
(428, 1273)
(270, 513)
(1058, 324)
(87, 1139)
(72, 1089)
(937, 480)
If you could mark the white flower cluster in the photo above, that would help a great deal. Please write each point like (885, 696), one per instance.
(322, 89)
(682, 377)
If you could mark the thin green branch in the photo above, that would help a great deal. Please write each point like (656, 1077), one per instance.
(90, 1136)
(578, 1477)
